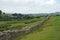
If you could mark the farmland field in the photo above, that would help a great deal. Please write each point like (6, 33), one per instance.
(17, 25)
(48, 31)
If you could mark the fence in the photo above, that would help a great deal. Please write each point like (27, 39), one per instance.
(9, 34)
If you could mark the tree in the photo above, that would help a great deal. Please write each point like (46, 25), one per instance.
(28, 17)
(0, 12)
(20, 15)
(3, 12)
(15, 14)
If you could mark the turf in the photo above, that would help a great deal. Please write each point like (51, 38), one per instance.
(48, 31)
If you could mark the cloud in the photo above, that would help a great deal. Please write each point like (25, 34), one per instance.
(29, 2)
(29, 6)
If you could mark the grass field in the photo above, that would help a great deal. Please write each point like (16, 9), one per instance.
(49, 31)
(17, 25)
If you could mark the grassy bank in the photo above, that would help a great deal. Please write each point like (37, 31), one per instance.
(49, 31)
(17, 25)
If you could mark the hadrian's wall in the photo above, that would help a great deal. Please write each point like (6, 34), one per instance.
(9, 34)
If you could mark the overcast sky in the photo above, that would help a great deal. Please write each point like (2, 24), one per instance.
(30, 6)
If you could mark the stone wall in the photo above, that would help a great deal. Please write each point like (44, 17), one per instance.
(9, 34)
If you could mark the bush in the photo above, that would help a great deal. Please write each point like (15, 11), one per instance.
(4, 27)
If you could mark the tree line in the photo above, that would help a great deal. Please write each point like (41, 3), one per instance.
(14, 16)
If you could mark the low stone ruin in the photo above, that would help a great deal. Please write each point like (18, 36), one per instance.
(10, 34)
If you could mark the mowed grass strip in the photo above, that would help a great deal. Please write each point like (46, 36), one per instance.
(49, 31)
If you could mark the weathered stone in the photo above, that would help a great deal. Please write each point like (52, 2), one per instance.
(10, 34)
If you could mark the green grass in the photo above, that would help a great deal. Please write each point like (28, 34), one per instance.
(49, 31)
(18, 25)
